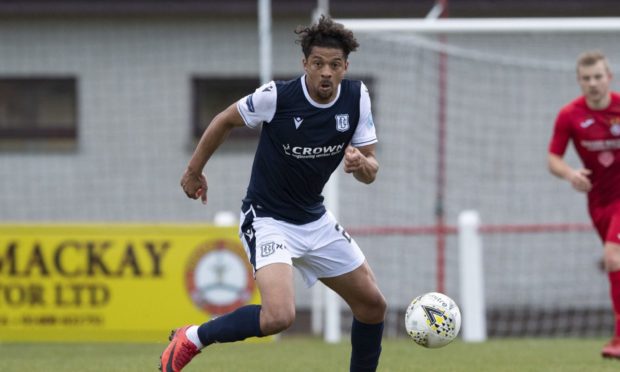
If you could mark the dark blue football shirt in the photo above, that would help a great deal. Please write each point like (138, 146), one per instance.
(301, 144)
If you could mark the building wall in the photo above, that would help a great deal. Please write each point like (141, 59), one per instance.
(134, 80)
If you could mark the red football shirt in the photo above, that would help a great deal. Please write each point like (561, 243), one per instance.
(596, 137)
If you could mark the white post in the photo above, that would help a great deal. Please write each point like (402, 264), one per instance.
(225, 218)
(332, 301)
(332, 317)
(322, 8)
(316, 310)
(435, 12)
(471, 278)
(264, 40)
(322, 296)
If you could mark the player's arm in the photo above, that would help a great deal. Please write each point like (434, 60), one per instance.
(578, 178)
(562, 134)
(362, 162)
(194, 182)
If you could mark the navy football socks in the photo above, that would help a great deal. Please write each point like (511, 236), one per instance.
(366, 346)
(234, 326)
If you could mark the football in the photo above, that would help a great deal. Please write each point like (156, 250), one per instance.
(433, 320)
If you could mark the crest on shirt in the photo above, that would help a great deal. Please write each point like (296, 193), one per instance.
(342, 122)
(606, 158)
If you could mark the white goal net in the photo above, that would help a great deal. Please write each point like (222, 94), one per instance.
(464, 111)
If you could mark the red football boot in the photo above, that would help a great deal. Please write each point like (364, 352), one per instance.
(179, 352)
(612, 349)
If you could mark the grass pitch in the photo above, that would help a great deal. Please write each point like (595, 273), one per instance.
(299, 354)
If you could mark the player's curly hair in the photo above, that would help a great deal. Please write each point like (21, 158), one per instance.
(326, 33)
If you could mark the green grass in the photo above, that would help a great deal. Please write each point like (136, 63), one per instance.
(306, 354)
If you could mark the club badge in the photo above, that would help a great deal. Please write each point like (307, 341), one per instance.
(342, 122)
(606, 158)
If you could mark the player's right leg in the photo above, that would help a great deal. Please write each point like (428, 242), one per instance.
(267, 251)
(277, 313)
(275, 283)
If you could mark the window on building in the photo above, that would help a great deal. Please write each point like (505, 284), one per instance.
(211, 95)
(41, 109)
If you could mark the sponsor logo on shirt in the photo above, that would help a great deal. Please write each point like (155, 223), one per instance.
(300, 152)
(601, 145)
(249, 103)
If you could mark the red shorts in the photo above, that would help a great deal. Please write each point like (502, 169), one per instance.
(607, 222)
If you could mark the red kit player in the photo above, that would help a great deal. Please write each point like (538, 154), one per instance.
(592, 123)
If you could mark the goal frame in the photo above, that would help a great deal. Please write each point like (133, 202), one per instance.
(469, 228)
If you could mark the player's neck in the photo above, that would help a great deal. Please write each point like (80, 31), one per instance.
(600, 104)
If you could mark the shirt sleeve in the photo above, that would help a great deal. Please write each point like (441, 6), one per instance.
(561, 133)
(365, 133)
(260, 106)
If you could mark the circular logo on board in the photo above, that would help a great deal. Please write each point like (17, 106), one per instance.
(615, 129)
(219, 277)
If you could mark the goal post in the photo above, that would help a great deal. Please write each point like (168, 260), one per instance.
(471, 277)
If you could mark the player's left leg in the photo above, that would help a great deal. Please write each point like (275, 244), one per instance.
(612, 266)
(336, 260)
(360, 291)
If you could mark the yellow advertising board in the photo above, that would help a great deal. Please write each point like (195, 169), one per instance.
(117, 282)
